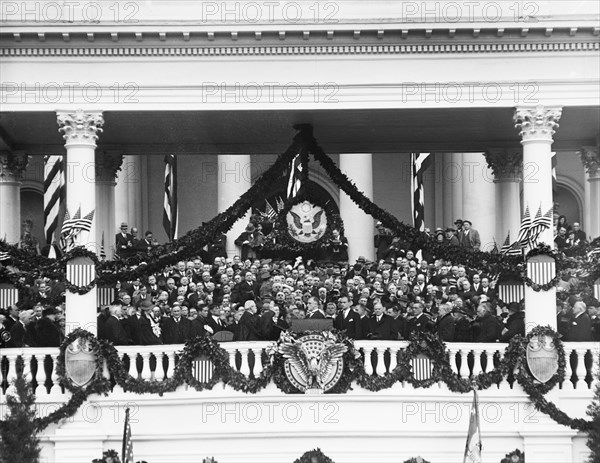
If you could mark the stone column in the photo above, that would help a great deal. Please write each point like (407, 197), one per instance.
(456, 179)
(234, 179)
(536, 126)
(107, 166)
(81, 131)
(590, 157)
(478, 198)
(128, 195)
(12, 166)
(506, 167)
(358, 226)
(448, 176)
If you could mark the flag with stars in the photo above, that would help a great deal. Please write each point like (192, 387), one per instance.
(473, 446)
(127, 452)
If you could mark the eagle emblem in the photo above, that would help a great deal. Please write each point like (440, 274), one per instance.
(306, 222)
(313, 364)
(80, 362)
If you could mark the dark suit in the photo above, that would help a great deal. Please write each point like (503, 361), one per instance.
(177, 332)
(147, 336)
(580, 329)
(124, 245)
(248, 327)
(486, 329)
(385, 328)
(243, 291)
(422, 324)
(215, 325)
(48, 334)
(515, 325)
(445, 328)
(115, 332)
(316, 315)
(19, 337)
(350, 323)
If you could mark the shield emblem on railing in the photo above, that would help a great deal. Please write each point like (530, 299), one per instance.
(421, 367)
(80, 362)
(202, 369)
(542, 358)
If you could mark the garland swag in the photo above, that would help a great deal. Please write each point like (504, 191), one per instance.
(511, 366)
(22, 263)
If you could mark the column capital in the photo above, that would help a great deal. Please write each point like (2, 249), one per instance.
(506, 163)
(536, 123)
(108, 163)
(80, 127)
(590, 158)
(12, 165)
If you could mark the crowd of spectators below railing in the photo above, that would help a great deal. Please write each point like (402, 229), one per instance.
(258, 299)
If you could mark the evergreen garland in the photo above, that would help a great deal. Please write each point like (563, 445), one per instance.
(314, 456)
(19, 441)
(593, 411)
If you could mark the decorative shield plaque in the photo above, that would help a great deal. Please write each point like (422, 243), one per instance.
(421, 367)
(542, 358)
(306, 222)
(314, 364)
(80, 362)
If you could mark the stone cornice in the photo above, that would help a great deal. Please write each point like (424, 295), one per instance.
(13, 165)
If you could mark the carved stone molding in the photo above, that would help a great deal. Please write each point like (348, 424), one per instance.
(80, 127)
(375, 49)
(107, 165)
(590, 158)
(506, 163)
(12, 165)
(537, 123)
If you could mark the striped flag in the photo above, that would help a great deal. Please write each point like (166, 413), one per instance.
(54, 193)
(506, 246)
(127, 451)
(539, 224)
(473, 446)
(68, 232)
(269, 211)
(170, 209)
(102, 250)
(85, 223)
(294, 182)
(4, 256)
(523, 237)
(420, 163)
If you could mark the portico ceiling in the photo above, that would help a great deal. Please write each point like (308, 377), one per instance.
(270, 132)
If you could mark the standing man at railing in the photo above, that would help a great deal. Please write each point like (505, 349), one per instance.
(486, 327)
(19, 335)
(249, 329)
(580, 329)
(113, 327)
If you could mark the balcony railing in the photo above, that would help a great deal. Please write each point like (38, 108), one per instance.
(157, 363)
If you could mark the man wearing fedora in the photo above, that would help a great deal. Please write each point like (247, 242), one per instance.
(124, 243)
(469, 237)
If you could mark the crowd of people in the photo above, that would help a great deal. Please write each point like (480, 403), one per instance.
(257, 299)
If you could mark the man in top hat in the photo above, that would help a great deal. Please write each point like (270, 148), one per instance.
(124, 243)
(469, 237)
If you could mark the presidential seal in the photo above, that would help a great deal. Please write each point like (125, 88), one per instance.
(314, 362)
(542, 358)
(306, 222)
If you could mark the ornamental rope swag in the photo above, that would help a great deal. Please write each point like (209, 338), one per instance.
(313, 363)
(16, 263)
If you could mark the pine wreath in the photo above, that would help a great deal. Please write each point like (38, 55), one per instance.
(314, 456)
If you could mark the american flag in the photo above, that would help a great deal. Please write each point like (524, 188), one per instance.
(54, 193)
(539, 224)
(127, 451)
(4, 256)
(67, 232)
(269, 213)
(510, 249)
(295, 182)
(473, 446)
(170, 209)
(420, 163)
(523, 237)
(85, 223)
(102, 250)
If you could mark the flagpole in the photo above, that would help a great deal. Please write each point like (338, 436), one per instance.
(124, 447)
